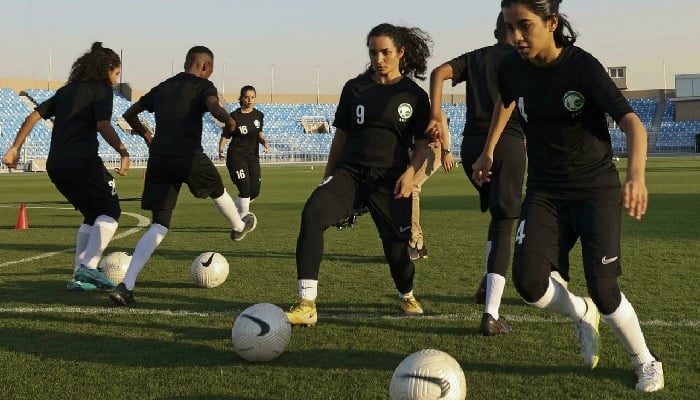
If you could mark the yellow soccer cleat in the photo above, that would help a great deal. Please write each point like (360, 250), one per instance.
(303, 312)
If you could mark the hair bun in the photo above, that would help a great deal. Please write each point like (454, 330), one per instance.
(96, 46)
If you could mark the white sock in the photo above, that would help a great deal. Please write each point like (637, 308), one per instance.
(308, 289)
(406, 296)
(227, 207)
(144, 248)
(625, 325)
(495, 284)
(100, 235)
(243, 204)
(81, 242)
(558, 299)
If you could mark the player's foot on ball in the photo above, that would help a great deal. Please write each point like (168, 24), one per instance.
(122, 296)
(75, 285)
(303, 312)
(250, 221)
(480, 295)
(94, 276)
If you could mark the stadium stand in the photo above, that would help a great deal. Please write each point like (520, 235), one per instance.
(299, 132)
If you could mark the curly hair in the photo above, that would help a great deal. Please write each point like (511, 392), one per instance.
(94, 65)
(416, 43)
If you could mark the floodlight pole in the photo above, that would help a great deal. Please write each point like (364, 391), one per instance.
(318, 84)
(272, 80)
(48, 84)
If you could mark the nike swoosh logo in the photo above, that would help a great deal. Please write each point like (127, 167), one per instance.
(326, 180)
(208, 262)
(608, 260)
(264, 326)
(442, 382)
(403, 229)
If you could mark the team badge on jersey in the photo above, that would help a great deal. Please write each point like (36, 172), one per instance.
(574, 101)
(256, 123)
(405, 111)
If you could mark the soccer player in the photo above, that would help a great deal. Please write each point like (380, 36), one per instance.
(243, 159)
(502, 196)
(439, 154)
(176, 157)
(381, 115)
(573, 189)
(79, 109)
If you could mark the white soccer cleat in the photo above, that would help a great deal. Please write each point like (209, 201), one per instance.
(650, 376)
(588, 336)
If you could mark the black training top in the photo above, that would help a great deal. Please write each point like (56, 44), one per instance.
(76, 108)
(179, 103)
(563, 109)
(245, 139)
(479, 69)
(381, 121)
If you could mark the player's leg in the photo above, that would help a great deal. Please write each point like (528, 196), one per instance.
(392, 217)
(504, 206)
(541, 231)
(250, 191)
(599, 221)
(240, 173)
(332, 200)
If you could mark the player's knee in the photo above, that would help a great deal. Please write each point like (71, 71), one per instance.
(605, 293)
(530, 286)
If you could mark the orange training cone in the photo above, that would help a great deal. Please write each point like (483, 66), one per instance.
(22, 221)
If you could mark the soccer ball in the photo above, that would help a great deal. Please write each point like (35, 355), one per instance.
(114, 265)
(261, 332)
(209, 269)
(428, 374)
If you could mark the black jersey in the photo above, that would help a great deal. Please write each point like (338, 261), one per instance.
(563, 110)
(76, 108)
(245, 139)
(479, 69)
(179, 104)
(382, 121)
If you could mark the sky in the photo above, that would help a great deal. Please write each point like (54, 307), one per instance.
(314, 46)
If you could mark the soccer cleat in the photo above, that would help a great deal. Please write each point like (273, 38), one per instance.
(303, 312)
(122, 296)
(75, 285)
(490, 326)
(650, 376)
(411, 306)
(93, 276)
(250, 221)
(480, 295)
(413, 252)
(423, 252)
(587, 332)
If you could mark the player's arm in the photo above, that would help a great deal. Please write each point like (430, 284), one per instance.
(222, 147)
(447, 159)
(131, 116)
(221, 115)
(437, 77)
(112, 138)
(336, 150)
(263, 141)
(482, 166)
(635, 197)
(11, 157)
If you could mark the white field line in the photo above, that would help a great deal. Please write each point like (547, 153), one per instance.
(141, 222)
(472, 317)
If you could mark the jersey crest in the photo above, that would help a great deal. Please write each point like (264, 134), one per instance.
(574, 101)
(405, 111)
(257, 124)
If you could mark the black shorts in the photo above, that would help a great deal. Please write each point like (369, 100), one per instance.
(501, 196)
(351, 189)
(245, 174)
(166, 174)
(87, 185)
(548, 229)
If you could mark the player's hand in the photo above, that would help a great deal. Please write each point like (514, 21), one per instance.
(267, 149)
(448, 162)
(148, 138)
(433, 130)
(481, 170)
(404, 186)
(222, 155)
(11, 158)
(124, 166)
(635, 198)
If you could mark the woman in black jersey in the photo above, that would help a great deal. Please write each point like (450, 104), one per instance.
(381, 115)
(243, 159)
(501, 197)
(573, 189)
(78, 109)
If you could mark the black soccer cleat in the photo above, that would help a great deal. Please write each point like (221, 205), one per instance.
(121, 296)
(490, 326)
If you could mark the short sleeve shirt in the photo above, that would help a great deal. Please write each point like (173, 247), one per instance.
(245, 141)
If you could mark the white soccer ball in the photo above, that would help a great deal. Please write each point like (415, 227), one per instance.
(428, 374)
(209, 269)
(114, 265)
(261, 332)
